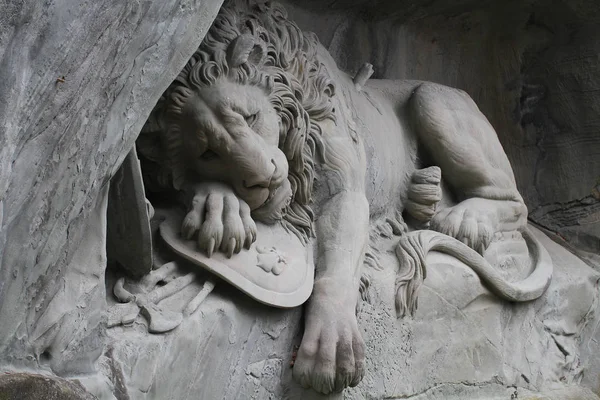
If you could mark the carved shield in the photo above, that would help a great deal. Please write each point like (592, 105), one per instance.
(277, 270)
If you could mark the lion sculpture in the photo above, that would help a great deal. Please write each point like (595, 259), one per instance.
(261, 125)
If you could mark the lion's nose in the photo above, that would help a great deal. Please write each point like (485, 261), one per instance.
(261, 179)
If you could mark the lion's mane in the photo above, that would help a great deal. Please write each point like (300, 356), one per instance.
(298, 85)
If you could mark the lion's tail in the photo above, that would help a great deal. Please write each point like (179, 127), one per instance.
(413, 248)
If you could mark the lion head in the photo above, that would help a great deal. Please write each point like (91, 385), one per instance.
(246, 110)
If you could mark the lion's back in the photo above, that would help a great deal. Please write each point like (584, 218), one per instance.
(376, 115)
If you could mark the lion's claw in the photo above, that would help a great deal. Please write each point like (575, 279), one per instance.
(221, 220)
(190, 225)
(211, 247)
(249, 225)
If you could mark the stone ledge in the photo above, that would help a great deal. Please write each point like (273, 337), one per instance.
(25, 386)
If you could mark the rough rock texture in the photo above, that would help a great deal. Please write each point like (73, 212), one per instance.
(461, 336)
(25, 386)
(78, 79)
(532, 67)
(463, 343)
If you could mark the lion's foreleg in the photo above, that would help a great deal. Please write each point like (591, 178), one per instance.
(331, 356)
(342, 231)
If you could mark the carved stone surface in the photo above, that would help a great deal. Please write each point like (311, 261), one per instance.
(78, 80)
(129, 240)
(219, 122)
(461, 344)
(263, 159)
(276, 270)
(535, 79)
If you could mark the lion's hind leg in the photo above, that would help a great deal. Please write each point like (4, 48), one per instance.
(461, 141)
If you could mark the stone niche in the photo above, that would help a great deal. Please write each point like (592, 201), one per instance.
(531, 67)
(299, 200)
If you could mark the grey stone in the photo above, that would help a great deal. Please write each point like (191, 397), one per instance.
(128, 232)
(26, 386)
(180, 333)
(531, 67)
(77, 82)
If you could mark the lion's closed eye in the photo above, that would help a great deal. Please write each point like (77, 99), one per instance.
(209, 155)
(251, 119)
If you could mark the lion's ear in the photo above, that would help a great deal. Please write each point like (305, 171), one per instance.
(257, 54)
(244, 49)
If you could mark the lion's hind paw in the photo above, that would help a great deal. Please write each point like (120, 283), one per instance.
(465, 223)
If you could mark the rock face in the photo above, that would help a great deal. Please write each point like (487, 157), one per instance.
(462, 343)
(78, 80)
(530, 66)
(33, 387)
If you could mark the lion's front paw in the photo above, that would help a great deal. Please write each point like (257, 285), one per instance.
(221, 220)
(332, 354)
(468, 223)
